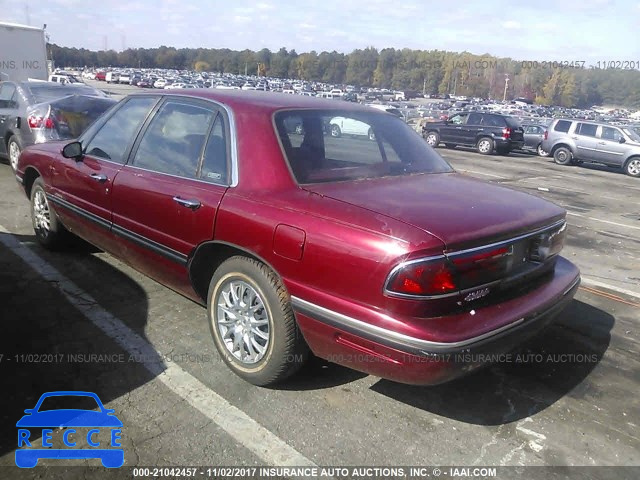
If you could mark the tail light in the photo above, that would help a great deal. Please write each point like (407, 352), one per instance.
(546, 135)
(548, 244)
(506, 132)
(426, 278)
(450, 275)
(38, 122)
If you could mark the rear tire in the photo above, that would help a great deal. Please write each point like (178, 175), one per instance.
(371, 135)
(335, 131)
(50, 233)
(485, 146)
(13, 150)
(632, 167)
(563, 156)
(252, 322)
(541, 152)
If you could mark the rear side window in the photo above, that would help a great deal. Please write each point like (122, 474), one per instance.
(493, 121)
(562, 126)
(586, 129)
(474, 119)
(7, 95)
(175, 139)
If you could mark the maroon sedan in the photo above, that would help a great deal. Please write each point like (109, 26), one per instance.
(361, 245)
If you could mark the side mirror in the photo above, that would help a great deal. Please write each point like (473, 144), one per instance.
(29, 411)
(72, 150)
(622, 140)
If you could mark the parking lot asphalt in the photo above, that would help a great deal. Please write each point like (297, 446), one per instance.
(568, 397)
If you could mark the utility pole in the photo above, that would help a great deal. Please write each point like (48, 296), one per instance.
(424, 87)
(506, 85)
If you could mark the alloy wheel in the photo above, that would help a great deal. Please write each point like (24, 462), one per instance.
(243, 321)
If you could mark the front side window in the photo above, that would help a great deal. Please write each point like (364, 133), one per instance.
(459, 119)
(174, 142)
(117, 133)
(328, 146)
(610, 133)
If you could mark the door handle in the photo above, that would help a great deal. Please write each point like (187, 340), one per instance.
(98, 177)
(602, 143)
(192, 204)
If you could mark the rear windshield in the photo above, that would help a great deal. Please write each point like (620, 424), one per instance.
(44, 93)
(330, 146)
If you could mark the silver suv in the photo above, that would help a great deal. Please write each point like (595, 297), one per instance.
(571, 141)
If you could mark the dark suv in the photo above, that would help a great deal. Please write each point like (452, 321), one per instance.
(487, 132)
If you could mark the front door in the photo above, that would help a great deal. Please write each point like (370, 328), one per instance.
(609, 149)
(166, 198)
(82, 189)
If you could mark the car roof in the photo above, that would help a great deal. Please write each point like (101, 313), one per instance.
(245, 100)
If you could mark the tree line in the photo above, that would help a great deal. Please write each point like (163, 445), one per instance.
(564, 83)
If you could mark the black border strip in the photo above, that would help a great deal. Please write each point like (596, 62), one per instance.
(122, 232)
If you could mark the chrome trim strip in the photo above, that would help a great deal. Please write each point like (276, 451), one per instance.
(386, 291)
(399, 340)
(514, 239)
(382, 334)
(19, 179)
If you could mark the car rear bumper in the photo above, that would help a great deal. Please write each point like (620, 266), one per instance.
(388, 354)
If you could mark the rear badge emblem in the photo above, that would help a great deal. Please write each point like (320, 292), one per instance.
(477, 294)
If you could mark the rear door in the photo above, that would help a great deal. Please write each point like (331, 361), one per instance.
(166, 198)
(82, 189)
(473, 128)
(586, 141)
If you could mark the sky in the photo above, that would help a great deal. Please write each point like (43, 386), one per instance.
(588, 31)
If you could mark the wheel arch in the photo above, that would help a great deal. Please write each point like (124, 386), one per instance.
(561, 145)
(206, 259)
(30, 176)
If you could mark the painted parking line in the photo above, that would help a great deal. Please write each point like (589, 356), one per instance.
(603, 221)
(246, 431)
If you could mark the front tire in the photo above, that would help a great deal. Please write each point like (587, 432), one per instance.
(335, 131)
(50, 233)
(13, 149)
(632, 167)
(252, 322)
(563, 156)
(433, 139)
(485, 146)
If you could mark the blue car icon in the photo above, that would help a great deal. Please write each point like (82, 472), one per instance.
(99, 422)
